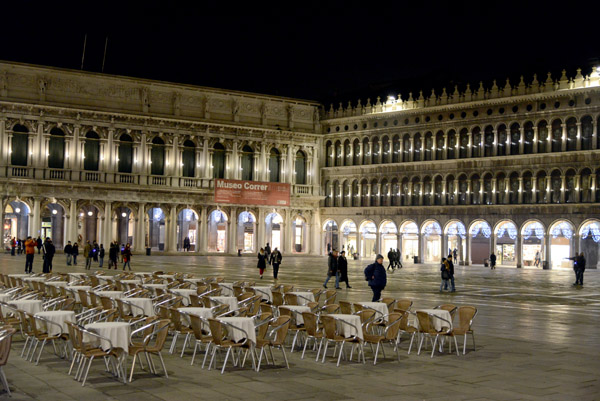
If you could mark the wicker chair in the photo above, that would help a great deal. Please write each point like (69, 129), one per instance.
(466, 314)
(427, 330)
(405, 327)
(346, 307)
(5, 342)
(330, 296)
(218, 330)
(279, 328)
(313, 332)
(332, 335)
(201, 338)
(155, 334)
(403, 304)
(389, 335)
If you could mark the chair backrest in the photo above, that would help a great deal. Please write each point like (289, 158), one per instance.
(310, 323)
(277, 298)
(93, 299)
(121, 309)
(314, 306)
(317, 293)
(330, 296)
(281, 326)
(329, 326)
(404, 304)
(106, 302)
(83, 298)
(330, 309)
(216, 330)
(194, 300)
(290, 299)
(390, 302)
(345, 307)
(425, 324)
(238, 290)
(244, 295)
(449, 307)
(68, 304)
(176, 318)
(287, 288)
(163, 312)
(95, 281)
(403, 325)
(201, 288)
(366, 316)
(466, 314)
(162, 330)
(196, 325)
(393, 326)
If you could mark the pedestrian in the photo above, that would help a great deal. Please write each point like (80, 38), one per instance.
(262, 262)
(492, 261)
(13, 246)
(95, 250)
(275, 261)
(30, 245)
(581, 265)
(451, 271)
(376, 277)
(19, 246)
(445, 269)
(68, 252)
(392, 259)
(332, 269)
(127, 257)
(49, 251)
(101, 255)
(122, 252)
(186, 244)
(537, 259)
(343, 268)
(328, 248)
(75, 252)
(455, 255)
(87, 254)
(39, 244)
(268, 252)
(112, 255)
(399, 258)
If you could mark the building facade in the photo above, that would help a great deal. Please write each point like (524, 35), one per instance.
(86, 156)
(511, 170)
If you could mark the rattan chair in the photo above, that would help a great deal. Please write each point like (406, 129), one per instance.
(390, 333)
(313, 332)
(406, 328)
(403, 304)
(155, 335)
(5, 343)
(219, 330)
(279, 329)
(466, 314)
(202, 337)
(346, 307)
(332, 335)
(427, 330)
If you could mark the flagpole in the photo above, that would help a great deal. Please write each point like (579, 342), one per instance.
(104, 58)
(83, 54)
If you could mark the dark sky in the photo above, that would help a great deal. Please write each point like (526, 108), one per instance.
(326, 51)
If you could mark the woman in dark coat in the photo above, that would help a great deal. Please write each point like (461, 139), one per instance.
(343, 268)
(262, 262)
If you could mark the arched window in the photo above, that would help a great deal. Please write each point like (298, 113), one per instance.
(556, 135)
(543, 137)
(247, 163)
(300, 168)
(218, 161)
(417, 149)
(529, 138)
(91, 151)
(571, 134)
(515, 138)
(501, 146)
(157, 157)
(451, 153)
(125, 162)
(188, 159)
(274, 161)
(587, 131)
(56, 149)
(19, 146)
(488, 141)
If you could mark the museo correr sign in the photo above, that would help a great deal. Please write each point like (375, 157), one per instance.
(252, 192)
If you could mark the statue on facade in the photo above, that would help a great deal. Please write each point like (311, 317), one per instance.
(263, 111)
(235, 108)
(42, 85)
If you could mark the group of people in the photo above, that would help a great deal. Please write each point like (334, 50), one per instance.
(47, 247)
(395, 258)
(17, 246)
(337, 266)
(265, 256)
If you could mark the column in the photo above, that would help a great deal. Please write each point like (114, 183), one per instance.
(315, 236)
(562, 188)
(445, 153)
(35, 218)
(546, 254)
(72, 231)
(520, 196)
(255, 173)
(264, 163)
(593, 186)
(420, 245)
(369, 194)
(3, 152)
(232, 240)
(411, 154)
(563, 142)
(519, 250)
(203, 229)
(260, 228)
(494, 196)
(455, 192)
(495, 148)
(288, 239)
(444, 195)
(140, 233)
(198, 170)
(534, 190)
(205, 165)
(171, 226)
(291, 165)
(467, 257)
(578, 140)
(378, 195)
(482, 144)
(506, 189)
(370, 155)
(521, 139)
(444, 244)
(433, 149)
(470, 145)
(595, 134)
(469, 189)
(577, 188)
(535, 139)
(106, 236)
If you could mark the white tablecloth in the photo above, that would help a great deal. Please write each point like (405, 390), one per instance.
(185, 293)
(117, 332)
(194, 280)
(153, 287)
(144, 303)
(37, 278)
(5, 298)
(227, 289)
(231, 301)
(244, 323)
(347, 330)
(110, 294)
(438, 324)
(166, 276)
(204, 313)
(303, 296)
(299, 309)
(135, 281)
(31, 306)
(19, 275)
(380, 307)
(264, 292)
(103, 279)
(58, 317)
(76, 289)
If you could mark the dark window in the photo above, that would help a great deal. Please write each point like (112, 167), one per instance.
(56, 149)
(188, 159)
(218, 161)
(475, 113)
(125, 163)
(19, 146)
(300, 168)
(157, 157)
(91, 151)
(274, 165)
(248, 163)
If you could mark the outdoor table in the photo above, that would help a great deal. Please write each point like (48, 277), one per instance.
(117, 332)
(166, 276)
(227, 289)
(194, 280)
(144, 303)
(153, 287)
(103, 279)
(347, 330)
(110, 294)
(5, 298)
(231, 301)
(265, 293)
(185, 293)
(135, 281)
(204, 313)
(438, 324)
(31, 306)
(76, 288)
(59, 317)
(297, 308)
(244, 323)
(380, 308)
(19, 275)
(304, 297)
(142, 274)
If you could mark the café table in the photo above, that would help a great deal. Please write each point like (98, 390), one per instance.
(227, 289)
(244, 323)
(205, 313)
(354, 328)
(304, 297)
(144, 305)
(299, 309)
(265, 292)
(76, 276)
(231, 301)
(59, 317)
(110, 294)
(117, 332)
(438, 324)
(31, 306)
(380, 308)
(57, 284)
(153, 287)
(76, 288)
(185, 293)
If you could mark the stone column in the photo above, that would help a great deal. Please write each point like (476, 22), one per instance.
(288, 238)
(315, 234)
(445, 153)
(35, 218)
(444, 244)
(470, 145)
(533, 189)
(203, 229)
(494, 195)
(578, 138)
(233, 224)
(420, 259)
(369, 194)
(563, 185)
(548, 189)
(171, 228)
(255, 173)
(547, 254)
(520, 195)
(140, 233)
(433, 148)
(72, 222)
(106, 236)
(595, 134)
(577, 188)
(205, 164)
(411, 153)
(469, 189)
(456, 192)
(370, 155)
(467, 257)
(495, 148)
(535, 139)
(593, 187)
(521, 140)
(519, 247)
(3, 152)
(444, 194)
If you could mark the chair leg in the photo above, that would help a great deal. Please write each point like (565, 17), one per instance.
(473, 337)
(206, 351)
(341, 352)
(162, 362)
(319, 350)
(194, 354)
(262, 350)
(4, 381)
(225, 361)
(376, 354)
(433, 346)
(412, 337)
(304, 349)
(325, 351)
(285, 356)
(173, 343)
(87, 371)
(132, 367)
(37, 361)
(185, 343)
(456, 346)
(420, 344)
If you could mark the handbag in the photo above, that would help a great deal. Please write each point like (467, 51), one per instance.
(445, 275)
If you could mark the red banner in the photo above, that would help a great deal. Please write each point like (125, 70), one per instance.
(252, 193)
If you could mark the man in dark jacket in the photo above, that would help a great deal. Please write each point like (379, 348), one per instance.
(275, 261)
(392, 258)
(451, 271)
(39, 244)
(332, 269)
(581, 265)
(113, 252)
(68, 250)
(376, 276)
(343, 268)
(49, 251)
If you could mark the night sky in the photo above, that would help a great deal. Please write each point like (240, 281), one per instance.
(325, 51)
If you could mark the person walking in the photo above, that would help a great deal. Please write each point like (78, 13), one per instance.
(30, 245)
(492, 261)
(68, 252)
(186, 244)
(112, 255)
(101, 255)
(391, 258)
(343, 268)
(49, 251)
(332, 269)
(275, 261)
(87, 254)
(581, 265)
(13, 246)
(376, 277)
(537, 259)
(262, 262)
(445, 269)
(455, 255)
(451, 270)
(95, 250)
(398, 258)
(39, 244)
(19, 246)
(127, 257)
(75, 252)
(268, 252)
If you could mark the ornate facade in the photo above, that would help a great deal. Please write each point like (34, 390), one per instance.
(513, 171)
(86, 156)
